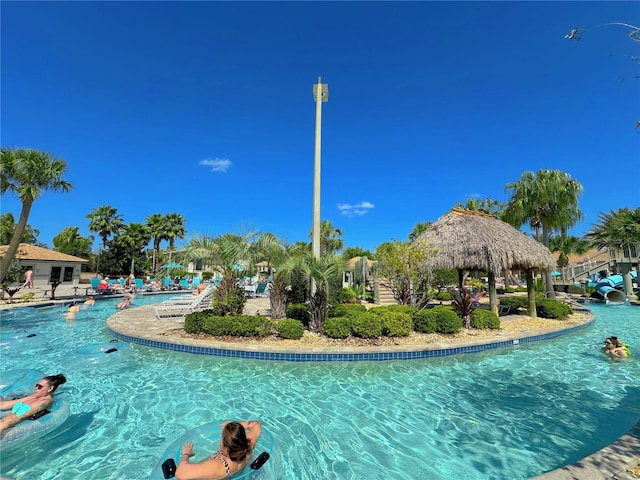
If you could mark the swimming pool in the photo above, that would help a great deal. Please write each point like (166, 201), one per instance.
(506, 414)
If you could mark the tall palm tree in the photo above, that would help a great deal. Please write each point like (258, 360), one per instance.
(28, 173)
(330, 238)
(548, 201)
(156, 224)
(70, 241)
(8, 226)
(418, 229)
(618, 230)
(105, 221)
(173, 228)
(135, 236)
(566, 245)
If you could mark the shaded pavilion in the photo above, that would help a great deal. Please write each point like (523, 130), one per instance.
(474, 241)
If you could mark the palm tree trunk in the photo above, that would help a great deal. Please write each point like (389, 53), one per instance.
(548, 282)
(531, 294)
(278, 299)
(15, 240)
(318, 310)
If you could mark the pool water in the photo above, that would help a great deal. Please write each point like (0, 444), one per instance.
(510, 413)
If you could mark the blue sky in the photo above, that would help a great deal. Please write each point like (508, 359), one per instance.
(206, 109)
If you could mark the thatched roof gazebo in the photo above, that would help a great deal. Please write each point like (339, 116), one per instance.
(475, 241)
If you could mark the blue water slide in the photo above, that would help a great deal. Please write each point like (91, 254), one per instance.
(608, 288)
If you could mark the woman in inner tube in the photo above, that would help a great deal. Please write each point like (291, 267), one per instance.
(29, 407)
(236, 445)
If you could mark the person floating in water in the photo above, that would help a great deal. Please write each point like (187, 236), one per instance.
(89, 302)
(29, 407)
(236, 444)
(125, 303)
(72, 311)
(615, 347)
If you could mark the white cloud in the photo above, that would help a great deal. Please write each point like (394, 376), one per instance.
(358, 209)
(217, 164)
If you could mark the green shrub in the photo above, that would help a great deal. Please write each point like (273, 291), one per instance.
(346, 310)
(395, 324)
(290, 328)
(245, 325)
(443, 296)
(298, 311)
(575, 289)
(408, 309)
(549, 308)
(207, 276)
(424, 321)
(367, 325)
(509, 290)
(27, 296)
(347, 295)
(447, 321)
(194, 322)
(514, 303)
(481, 318)
(521, 289)
(218, 325)
(500, 290)
(232, 306)
(338, 327)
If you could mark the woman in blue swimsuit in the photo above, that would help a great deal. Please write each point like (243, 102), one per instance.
(26, 407)
(236, 444)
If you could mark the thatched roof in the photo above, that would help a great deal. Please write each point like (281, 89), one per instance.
(472, 240)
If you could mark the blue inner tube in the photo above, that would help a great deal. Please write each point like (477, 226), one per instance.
(206, 441)
(32, 429)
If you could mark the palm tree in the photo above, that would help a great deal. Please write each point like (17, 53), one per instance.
(28, 173)
(173, 228)
(271, 249)
(418, 230)
(135, 236)
(566, 245)
(8, 226)
(156, 224)
(105, 221)
(330, 238)
(320, 271)
(618, 230)
(70, 241)
(548, 201)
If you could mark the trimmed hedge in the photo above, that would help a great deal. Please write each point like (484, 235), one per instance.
(447, 321)
(395, 324)
(443, 296)
(367, 325)
(395, 309)
(298, 311)
(194, 322)
(290, 328)
(346, 310)
(481, 318)
(514, 302)
(424, 321)
(549, 308)
(338, 327)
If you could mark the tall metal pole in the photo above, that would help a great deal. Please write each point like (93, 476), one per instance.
(320, 94)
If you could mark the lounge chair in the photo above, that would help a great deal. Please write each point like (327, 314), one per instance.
(181, 310)
(261, 289)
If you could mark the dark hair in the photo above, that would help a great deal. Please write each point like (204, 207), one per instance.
(234, 438)
(55, 381)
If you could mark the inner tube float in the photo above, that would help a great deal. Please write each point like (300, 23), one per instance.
(19, 382)
(206, 440)
(22, 340)
(33, 429)
(97, 353)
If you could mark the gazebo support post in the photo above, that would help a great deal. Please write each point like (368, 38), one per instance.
(531, 294)
(493, 297)
(460, 278)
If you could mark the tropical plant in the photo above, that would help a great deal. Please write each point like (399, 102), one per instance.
(173, 228)
(418, 230)
(465, 303)
(70, 241)
(105, 221)
(566, 245)
(353, 252)
(135, 236)
(485, 205)
(271, 249)
(28, 173)
(13, 276)
(330, 238)
(548, 201)
(402, 264)
(155, 223)
(617, 230)
(8, 227)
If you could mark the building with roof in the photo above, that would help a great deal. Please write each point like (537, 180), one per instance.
(47, 265)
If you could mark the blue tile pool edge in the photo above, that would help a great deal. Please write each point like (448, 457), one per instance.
(348, 356)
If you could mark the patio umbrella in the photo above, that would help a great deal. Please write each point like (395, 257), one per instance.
(556, 273)
(172, 266)
(470, 240)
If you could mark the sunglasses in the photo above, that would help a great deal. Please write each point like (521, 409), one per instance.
(38, 386)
